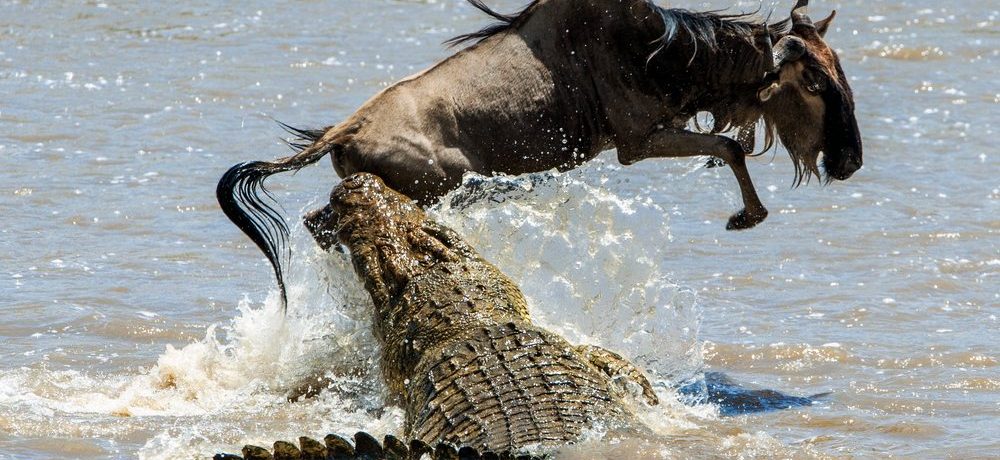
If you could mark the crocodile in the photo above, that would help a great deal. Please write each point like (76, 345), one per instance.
(459, 352)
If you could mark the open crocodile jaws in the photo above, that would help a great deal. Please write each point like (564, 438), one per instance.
(459, 351)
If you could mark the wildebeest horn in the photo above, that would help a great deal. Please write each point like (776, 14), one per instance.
(799, 13)
(788, 49)
(764, 38)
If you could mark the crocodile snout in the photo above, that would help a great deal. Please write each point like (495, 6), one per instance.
(359, 180)
(322, 223)
(362, 211)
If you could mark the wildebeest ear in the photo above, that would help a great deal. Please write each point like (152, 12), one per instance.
(799, 13)
(768, 92)
(770, 84)
(823, 25)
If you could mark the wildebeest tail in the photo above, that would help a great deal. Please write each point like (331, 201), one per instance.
(249, 205)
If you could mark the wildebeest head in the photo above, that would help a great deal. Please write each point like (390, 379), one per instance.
(809, 103)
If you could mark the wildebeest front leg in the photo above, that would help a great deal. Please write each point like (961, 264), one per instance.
(669, 142)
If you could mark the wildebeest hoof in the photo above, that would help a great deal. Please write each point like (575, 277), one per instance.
(715, 163)
(744, 220)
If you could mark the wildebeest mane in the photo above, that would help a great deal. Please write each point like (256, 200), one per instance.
(506, 22)
(703, 27)
(700, 26)
(701, 31)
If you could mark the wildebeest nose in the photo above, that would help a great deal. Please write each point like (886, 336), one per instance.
(850, 165)
(854, 162)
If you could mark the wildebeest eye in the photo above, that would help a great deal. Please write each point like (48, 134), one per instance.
(815, 82)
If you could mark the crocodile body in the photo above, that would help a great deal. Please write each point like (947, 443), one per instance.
(460, 353)
(507, 386)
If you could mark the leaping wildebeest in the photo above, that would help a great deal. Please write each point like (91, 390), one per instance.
(559, 82)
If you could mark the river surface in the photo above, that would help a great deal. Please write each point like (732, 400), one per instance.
(138, 322)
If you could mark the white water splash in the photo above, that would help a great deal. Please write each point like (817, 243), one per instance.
(589, 262)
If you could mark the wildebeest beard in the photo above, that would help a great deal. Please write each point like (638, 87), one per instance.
(746, 47)
(739, 110)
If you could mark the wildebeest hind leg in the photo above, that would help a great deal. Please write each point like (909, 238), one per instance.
(669, 142)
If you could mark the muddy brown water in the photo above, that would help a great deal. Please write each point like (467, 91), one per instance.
(137, 321)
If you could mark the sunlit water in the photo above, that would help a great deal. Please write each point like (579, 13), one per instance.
(138, 321)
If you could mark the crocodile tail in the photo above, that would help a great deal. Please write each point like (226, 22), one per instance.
(249, 205)
(366, 447)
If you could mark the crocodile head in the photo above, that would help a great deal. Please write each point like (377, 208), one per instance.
(389, 237)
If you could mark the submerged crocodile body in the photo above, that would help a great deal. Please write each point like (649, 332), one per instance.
(459, 351)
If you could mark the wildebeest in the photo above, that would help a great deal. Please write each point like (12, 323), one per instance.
(563, 80)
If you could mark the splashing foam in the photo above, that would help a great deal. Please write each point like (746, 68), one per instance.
(230, 387)
(265, 351)
(589, 261)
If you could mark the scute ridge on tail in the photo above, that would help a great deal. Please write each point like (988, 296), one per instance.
(366, 447)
